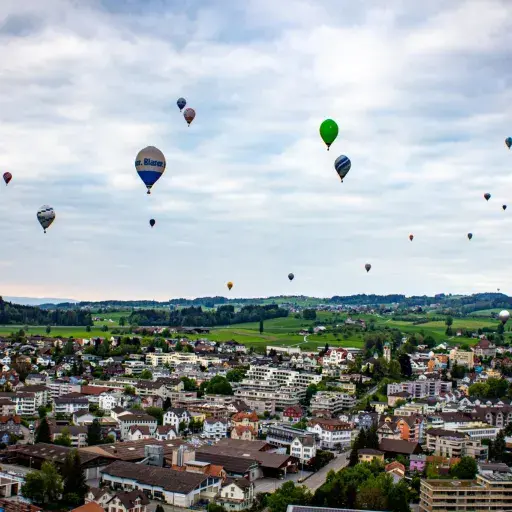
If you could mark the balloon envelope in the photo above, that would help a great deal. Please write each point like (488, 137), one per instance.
(367, 267)
(508, 142)
(230, 285)
(504, 316)
(290, 276)
(504, 206)
(150, 165)
(7, 177)
(189, 115)
(342, 164)
(470, 235)
(411, 237)
(152, 222)
(45, 216)
(329, 131)
(181, 103)
(487, 196)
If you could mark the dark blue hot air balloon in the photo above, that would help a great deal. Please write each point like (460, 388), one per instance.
(508, 142)
(342, 166)
(181, 103)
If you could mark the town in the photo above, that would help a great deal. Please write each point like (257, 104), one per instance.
(166, 418)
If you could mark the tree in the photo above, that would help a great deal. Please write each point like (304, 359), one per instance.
(146, 374)
(122, 321)
(87, 328)
(157, 413)
(69, 348)
(159, 508)
(42, 411)
(74, 477)
(43, 432)
(466, 469)
(449, 321)
(178, 347)
(288, 494)
(52, 482)
(48, 329)
(188, 349)
(497, 447)
(261, 326)
(129, 390)
(309, 314)
(236, 375)
(399, 497)
(218, 386)
(405, 364)
(167, 404)
(94, 436)
(189, 384)
(33, 488)
(64, 438)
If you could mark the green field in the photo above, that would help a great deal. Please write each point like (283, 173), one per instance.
(284, 331)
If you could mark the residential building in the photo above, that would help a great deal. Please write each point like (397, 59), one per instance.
(462, 358)
(69, 404)
(333, 434)
(177, 488)
(369, 454)
(452, 444)
(78, 434)
(7, 406)
(135, 418)
(303, 448)
(244, 433)
(420, 388)
(484, 348)
(293, 414)
(109, 400)
(175, 416)
(236, 494)
(283, 435)
(60, 387)
(333, 401)
(215, 428)
(489, 492)
(10, 424)
(124, 501)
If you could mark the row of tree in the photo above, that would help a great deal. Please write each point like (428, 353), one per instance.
(16, 314)
(196, 316)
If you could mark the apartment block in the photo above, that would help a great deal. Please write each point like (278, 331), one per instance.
(420, 388)
(332, 401)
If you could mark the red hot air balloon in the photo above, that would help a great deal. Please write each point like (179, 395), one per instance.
(7, 177)
(189, 115)
(411, 237)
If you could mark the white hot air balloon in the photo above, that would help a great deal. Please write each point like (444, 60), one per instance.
(504, 316)
(45, 216)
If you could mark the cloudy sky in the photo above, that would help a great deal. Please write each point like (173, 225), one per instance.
(422, 95)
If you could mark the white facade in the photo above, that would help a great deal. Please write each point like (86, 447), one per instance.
(176, 416)
(332, 401)
(215, 428)
(63, 406)
(108, 401)
(332, 438)
(303, 451)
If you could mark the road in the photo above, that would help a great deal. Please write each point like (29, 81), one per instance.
(302, 342)
(368, 393)
(318, 478)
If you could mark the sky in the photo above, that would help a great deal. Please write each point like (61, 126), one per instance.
(422, 94)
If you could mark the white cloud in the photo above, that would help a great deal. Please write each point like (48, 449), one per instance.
(422, 95)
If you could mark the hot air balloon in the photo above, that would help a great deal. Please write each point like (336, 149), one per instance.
(150, 165)
(181, 103)
(45, 216)
(7, 177)
(504, 206)
(411, 237)
(230, 285)
(152, 222)
(329, 131)
(189, 115)
(504, 316)
(508, 142)
(342, 165)
(290, 276)
(470, 235)
(367, 267)
(487, 196)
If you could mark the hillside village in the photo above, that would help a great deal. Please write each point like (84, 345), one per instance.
(218, 424)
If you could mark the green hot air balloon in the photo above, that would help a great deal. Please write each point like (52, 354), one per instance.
(329, 132)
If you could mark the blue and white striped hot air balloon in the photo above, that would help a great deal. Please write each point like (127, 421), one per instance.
(150, 165)
(342, 166)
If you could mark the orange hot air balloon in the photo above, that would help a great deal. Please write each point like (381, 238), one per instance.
(230, 285)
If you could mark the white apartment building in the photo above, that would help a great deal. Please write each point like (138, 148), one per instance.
(282, 376)
(420, 388)
(61, 387)
(25, 404)
(215, 428)
(134, 367)
(333, 434)
(70, 404)
(109, 401)
(332, 401)
(176, 358)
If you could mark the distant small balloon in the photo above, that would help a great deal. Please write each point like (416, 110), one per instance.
(152, 222)
(45, 216)
(290, 276)
(329, 131)
(487, 196)
(230, 285)
(411, 237)
(470, 235)
(504, 316)
(181, 103)
(367, 267)
(7, 177)
(189, 115)
(508, 142)
(504, 206)
(342, 165)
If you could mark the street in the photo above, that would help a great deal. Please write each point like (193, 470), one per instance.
(318, 478)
